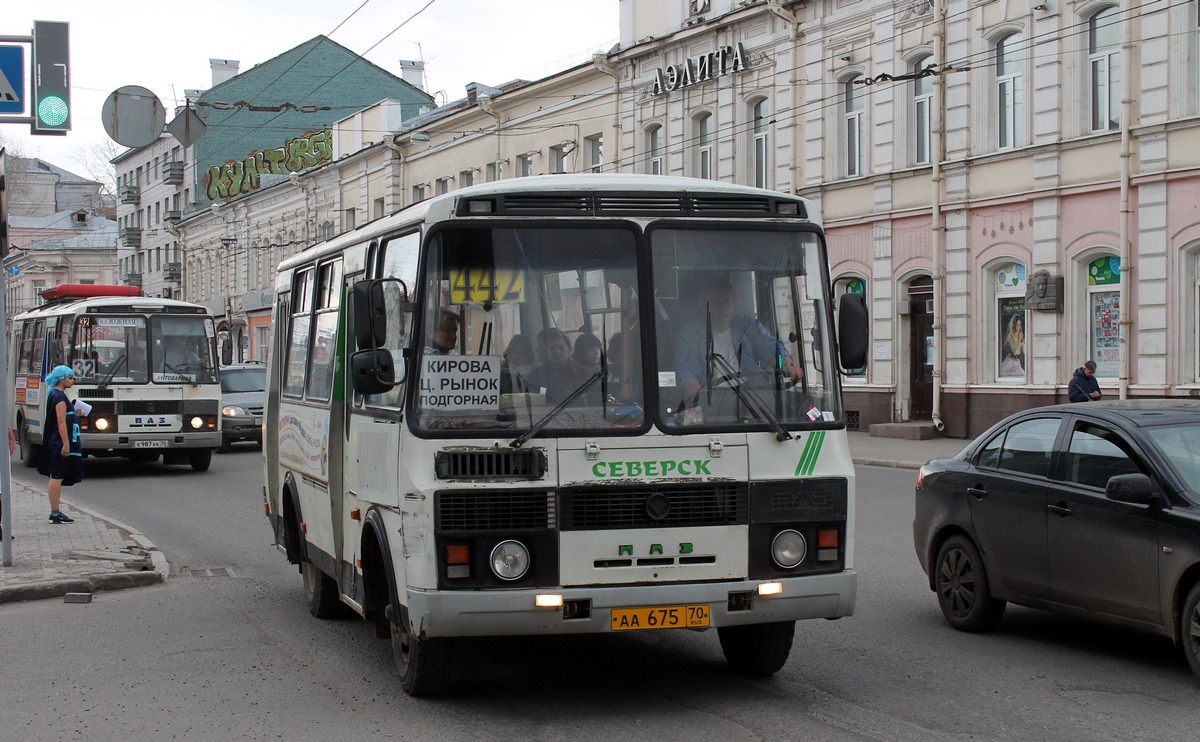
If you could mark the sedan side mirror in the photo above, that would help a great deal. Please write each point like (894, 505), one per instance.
(1134, 488)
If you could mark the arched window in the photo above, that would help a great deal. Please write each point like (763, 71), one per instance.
(922, 100)
(841, 287)
(1010, 94)
(654, 149)
(1104, 70)
(760, 117)
(702, 143)
(853, 127)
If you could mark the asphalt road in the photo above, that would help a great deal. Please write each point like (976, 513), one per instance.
(227, 650)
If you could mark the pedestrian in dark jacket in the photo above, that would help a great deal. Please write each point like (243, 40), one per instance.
(1083, 386)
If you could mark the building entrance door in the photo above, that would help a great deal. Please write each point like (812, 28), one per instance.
(920, 294)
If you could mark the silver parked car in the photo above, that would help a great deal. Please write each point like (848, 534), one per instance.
(243, 396)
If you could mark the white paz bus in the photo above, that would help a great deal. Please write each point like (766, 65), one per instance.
(146, 366)
(568, 404)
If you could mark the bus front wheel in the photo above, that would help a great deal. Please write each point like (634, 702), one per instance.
(423, 664)
(200, 459)
(759, 649)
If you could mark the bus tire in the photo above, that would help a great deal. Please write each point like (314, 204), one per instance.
(30, 452)
(200, 459)
(423, 664)
(320, 591)
(759, 649)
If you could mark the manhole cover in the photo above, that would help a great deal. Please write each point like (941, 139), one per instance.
(212, 572)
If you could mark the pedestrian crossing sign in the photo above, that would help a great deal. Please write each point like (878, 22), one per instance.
(12, 79)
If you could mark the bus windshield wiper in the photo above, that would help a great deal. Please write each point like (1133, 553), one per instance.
(113, 371)
(752, 401)
(540, 424)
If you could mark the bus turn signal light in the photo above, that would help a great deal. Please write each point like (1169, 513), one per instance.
(457, 554)
(827, 538)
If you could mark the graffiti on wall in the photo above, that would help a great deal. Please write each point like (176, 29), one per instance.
(238, 177)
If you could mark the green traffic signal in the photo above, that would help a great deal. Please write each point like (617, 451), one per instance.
(51, 73)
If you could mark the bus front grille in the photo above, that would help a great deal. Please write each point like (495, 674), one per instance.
(495, 510)
(490, 464)
(655, 506)
(149, 407)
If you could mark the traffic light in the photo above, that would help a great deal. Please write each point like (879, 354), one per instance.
(51, 72)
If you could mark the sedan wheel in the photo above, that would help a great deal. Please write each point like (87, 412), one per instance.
(1190, 625)
(962, 587)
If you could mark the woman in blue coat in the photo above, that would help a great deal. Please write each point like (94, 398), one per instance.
(62, 454)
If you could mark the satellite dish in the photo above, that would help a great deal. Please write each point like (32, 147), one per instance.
(133, 116)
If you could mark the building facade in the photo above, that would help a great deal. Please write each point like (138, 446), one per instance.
(1010, 200)
(1012, 186)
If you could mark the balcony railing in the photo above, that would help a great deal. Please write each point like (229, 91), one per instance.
(172, 271)
(133, 279)
(131, 236)
(172, 172)
(131, 194)
(171, 217)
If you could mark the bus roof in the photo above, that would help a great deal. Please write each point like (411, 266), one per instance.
(112, 303)
(443, 206)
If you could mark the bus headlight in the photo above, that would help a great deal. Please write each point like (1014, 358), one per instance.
(197, 423)
(788, 548)
(232, 410)
(510, 560)
(101, 424)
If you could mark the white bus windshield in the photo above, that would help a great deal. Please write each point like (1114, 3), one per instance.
(134, 349)
(742, 329)
(519, 321)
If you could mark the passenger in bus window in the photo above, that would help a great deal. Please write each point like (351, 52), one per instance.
(445, 333)
(588, 355)
(519, 364)
(557, 376)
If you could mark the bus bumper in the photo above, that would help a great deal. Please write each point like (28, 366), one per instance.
(512, 612)
(97, 443)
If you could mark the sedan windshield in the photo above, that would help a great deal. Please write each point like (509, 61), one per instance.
(518, 320)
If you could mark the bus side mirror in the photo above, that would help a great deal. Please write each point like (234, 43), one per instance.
(852, 331)
(372, 371)
(370, 315)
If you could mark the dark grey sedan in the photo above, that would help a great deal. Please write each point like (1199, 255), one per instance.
(1090, 510)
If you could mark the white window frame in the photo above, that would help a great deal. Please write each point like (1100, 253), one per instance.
(558, 159)
(702, 136)
(524, 165)
(852, 128)
(1103, 95)
(922, 114)
(1010, 91)
(594, 151)
(466, 178)
(418, 193)
(760, 131)
(654, 150)
(491, 172)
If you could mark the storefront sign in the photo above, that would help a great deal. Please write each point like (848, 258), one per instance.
(701, 68)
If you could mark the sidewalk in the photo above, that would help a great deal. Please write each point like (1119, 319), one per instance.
(868, 450)
(97, 553)
(93, 553)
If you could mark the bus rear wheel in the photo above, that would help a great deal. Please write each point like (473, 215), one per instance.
(423, 664)
(320, 591)
(757, 650)
(201, 459)
(29, 452)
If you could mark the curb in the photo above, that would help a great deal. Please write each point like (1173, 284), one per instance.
(890, 463)
(116, 581)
